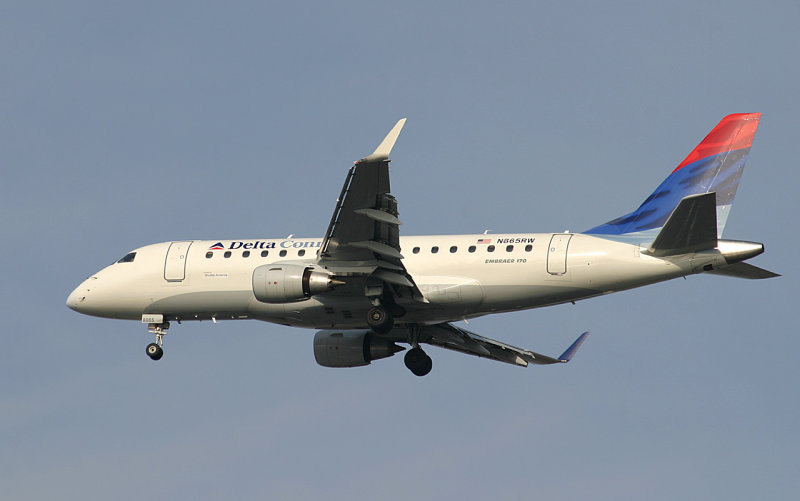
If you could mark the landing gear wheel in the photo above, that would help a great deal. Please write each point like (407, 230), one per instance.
(379, 320)
(154, 351)
(418, 362)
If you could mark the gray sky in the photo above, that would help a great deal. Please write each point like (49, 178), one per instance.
(127, 124)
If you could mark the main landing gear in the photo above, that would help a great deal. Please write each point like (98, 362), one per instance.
(418, 362)
(154, 350)
(379, 319)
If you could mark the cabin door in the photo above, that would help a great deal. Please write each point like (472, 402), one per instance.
(175, 265)
(557, 254)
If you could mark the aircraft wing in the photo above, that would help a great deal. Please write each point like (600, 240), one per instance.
(363, 237)
(455, 338)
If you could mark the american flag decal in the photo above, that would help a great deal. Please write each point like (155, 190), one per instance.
(484, 240)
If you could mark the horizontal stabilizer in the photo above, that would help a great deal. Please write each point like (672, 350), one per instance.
(744, 270)
(691, 227)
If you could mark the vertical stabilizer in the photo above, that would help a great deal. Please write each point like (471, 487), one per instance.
(715, 165)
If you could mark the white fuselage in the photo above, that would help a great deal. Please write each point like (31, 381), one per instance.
(460, 276)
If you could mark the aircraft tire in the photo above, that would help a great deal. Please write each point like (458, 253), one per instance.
(379, 320)
(154, 351)
(418, 362)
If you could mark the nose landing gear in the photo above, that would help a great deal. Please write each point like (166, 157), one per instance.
(154, 350)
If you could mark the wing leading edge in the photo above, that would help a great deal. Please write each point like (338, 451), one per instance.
(457, 339)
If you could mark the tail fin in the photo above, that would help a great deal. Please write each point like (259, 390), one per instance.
(715, 165)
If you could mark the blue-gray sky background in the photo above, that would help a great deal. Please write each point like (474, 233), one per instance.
(123, 124)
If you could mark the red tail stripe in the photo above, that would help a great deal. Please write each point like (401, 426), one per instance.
(733, 132)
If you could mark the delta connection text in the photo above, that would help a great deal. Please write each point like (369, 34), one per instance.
(263, 244)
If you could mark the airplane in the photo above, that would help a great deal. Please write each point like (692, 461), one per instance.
(366, 288)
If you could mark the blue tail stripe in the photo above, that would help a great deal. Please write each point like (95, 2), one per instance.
(719, 173)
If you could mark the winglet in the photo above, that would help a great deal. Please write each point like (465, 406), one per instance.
(383, 149)
(567, 355)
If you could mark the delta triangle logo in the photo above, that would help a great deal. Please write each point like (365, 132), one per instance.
(216, 246)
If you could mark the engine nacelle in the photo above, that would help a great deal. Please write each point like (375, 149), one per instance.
(351, 348)
(289, 283)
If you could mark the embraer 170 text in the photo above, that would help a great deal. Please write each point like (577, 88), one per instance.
(369, 288)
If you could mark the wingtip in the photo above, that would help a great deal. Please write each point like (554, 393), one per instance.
(385, 148)
(573, 348)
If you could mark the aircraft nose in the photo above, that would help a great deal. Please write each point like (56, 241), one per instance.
(76, 299)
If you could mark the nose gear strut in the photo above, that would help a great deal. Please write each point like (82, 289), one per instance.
(154, 350)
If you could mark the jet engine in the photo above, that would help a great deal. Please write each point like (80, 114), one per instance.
(289, 283)
(351, 348)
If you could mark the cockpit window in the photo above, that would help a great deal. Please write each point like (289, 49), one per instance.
(128, 258)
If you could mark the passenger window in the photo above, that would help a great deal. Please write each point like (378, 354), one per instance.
(129, 257)
(246, 254)
(415, 250)
(528, 248)
(283, 253)
(453, 249)
(227, 254)
(509, 248)
(209, 255)
(490, 248)
(301, 252)
(264, 253)
(471, 248)
(434, 249)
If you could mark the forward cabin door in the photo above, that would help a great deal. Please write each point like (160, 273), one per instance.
(175, 264)
(557, 254)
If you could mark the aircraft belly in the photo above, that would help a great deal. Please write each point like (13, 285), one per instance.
(315, 313)
(204, 304)
(518, 297)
